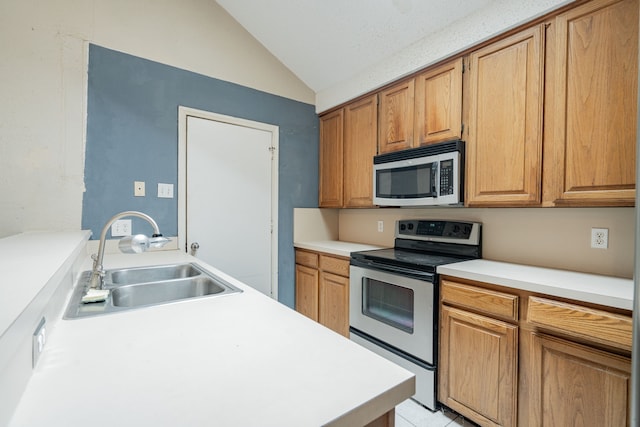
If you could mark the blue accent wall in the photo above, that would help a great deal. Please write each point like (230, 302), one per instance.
(132, 135)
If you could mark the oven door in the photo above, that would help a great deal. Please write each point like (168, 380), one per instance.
(395, 309)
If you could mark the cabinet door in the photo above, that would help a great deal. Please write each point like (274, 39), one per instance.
(439, 104)
(307, 291)
(331, 146)
(504, 143)
(595, 77)
(478, 367)
(360, 133)
(395, 123)
(576, 385)
(334, 302)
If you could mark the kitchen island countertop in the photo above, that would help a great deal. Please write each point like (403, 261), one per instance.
(234, 360)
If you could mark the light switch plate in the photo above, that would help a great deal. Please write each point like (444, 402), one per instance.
(165, 191)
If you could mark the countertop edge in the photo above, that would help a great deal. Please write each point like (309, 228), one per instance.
(335, 247)
(590, 288)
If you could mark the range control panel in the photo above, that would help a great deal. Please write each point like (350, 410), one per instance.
(438, 230)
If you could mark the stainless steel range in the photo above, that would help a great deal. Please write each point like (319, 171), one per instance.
(394, 295)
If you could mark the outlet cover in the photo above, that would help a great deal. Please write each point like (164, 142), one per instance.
(121, 227)
(138, 188)
(39, 338)
(600, 238)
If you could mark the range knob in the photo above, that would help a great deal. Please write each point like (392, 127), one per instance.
(410, 226)
(403, 227)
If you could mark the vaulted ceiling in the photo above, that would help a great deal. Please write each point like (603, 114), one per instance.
(325, 42)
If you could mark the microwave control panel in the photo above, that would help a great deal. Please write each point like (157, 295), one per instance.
(446, 177)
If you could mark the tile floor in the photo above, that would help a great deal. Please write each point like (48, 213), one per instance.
(411, 414)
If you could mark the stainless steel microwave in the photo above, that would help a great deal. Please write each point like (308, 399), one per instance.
(432, 175)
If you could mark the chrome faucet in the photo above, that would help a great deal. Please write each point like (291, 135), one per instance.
(131, 244)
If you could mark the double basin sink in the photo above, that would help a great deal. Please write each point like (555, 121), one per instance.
(147, 286)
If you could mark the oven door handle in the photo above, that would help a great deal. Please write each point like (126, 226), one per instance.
(416, 274)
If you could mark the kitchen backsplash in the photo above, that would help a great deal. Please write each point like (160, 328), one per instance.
(554, 238)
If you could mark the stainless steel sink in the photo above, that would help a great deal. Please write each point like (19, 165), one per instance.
(130, 276)
(160, 292)
(147, 286)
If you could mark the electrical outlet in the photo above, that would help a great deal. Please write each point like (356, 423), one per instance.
(138, 188)
(380, 226)
(38, 340)
(600, 238)
(120, 228)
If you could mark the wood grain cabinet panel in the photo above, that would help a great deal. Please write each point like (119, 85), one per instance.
(360, 138)
(504, 143)
(334, 302)
(348, 142)
(438, 104)
(486, 301)
(330, 185)
(307, 291)
(478, 367)
(310, 259)
(575, 385)
(395, 123)
(334, 265)
(579, 321)
(322, 289)
(592, 142)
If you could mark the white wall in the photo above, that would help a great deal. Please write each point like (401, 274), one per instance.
(497, 17)
(43, 66)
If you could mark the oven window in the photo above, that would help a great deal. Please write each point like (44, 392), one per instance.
(388, 303)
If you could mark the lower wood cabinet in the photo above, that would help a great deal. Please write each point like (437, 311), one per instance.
(478, 357)
(322, 289)
(513, 358)
(574, 384)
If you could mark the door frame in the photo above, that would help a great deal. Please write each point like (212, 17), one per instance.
(183, 114)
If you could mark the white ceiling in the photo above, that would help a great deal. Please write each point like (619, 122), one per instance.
(325, 42)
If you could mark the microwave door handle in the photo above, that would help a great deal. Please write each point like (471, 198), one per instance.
(435, 179)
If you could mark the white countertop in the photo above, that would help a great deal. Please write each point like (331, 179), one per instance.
(234, 360)
(335, 247)
(27, 262)
(593, 288)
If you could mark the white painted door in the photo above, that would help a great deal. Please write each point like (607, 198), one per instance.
(230, 186)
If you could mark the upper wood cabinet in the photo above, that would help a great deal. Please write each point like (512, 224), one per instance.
(438, 104)
(331, 157)
(423, 110)
(347, 145)
(593, 76)
(504, 142)
(360, 132)
(395, 124)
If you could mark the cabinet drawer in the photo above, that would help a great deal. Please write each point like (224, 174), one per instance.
(479, 299)
(601, 326)
(309, 259)
(334, 265)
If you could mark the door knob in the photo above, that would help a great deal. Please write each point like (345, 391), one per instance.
(194, 247)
